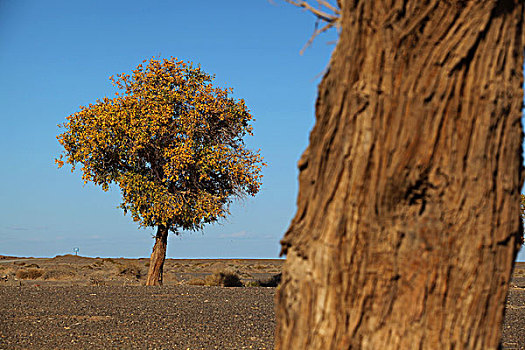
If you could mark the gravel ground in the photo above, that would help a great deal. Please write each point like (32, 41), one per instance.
(514, 322)
(169, 317)
(134, 317)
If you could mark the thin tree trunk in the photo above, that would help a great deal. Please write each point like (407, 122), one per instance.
(156, 261)
(409, 192)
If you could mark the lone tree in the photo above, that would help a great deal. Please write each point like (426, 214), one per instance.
(172, 142)
(408, 211)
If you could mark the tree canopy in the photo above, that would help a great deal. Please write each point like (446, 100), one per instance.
(170, 140)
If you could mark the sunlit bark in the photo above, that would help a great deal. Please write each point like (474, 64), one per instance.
(409, 192)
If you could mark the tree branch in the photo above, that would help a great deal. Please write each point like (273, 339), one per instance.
(314, 35)
(332, 19)
(324, 16)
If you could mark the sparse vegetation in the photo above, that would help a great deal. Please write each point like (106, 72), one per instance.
(130, 270)
(58, 275)
(66, 269)
(252, 284)
(271, 282)
(197, 282)
(231, 280)
(97, 281)
(98, 263)
(224, 279)
(519, 272)
(29, 274)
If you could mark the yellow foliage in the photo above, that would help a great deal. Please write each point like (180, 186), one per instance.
(171, 141)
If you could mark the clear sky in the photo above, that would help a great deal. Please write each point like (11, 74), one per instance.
(58, 55)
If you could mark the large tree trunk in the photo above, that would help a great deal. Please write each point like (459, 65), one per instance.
(156, 261)
(409, 192)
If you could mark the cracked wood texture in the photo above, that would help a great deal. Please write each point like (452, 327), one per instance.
(409, 191)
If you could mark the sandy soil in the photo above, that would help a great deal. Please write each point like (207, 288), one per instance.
(70, 302)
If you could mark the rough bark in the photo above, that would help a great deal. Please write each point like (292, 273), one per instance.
(409, 191)
(156, 261)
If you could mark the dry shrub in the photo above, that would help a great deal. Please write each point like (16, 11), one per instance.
(96, 281)
(271, 282)
(8, 271)
(213, 280)
(130, 270)
(29, 274)
(98, 263)
(197, 282)
(57, 275)
(231, 280)
(252, 284)
(224, 279)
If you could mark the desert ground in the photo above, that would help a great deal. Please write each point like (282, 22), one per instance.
(71, 302)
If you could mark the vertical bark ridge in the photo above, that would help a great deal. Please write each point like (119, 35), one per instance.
(408, 203)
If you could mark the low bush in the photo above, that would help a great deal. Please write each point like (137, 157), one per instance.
(213, 280)
(273, 281)
(58, 275)
(231, 279)
(130, 270)
(98, 263)
(224, 279)
(96, 281)
(29, 274)
(196, 282)
(252, 284)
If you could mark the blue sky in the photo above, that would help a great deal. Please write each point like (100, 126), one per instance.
(58, 55)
